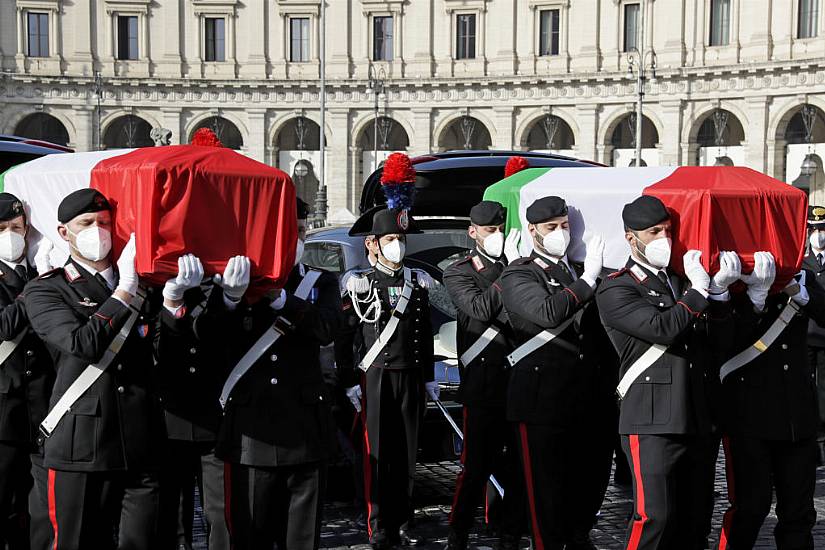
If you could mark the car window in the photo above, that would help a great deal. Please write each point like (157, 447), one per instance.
(323, 255)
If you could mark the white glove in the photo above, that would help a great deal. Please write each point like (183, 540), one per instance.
(760, 281)
(280, 301)
(128, 281)
(730, 270)
(190, 275)
(42, 260)
(423, 278)
(696, 274)
(235, 279)
(354, 396)
(432, 390)
(593, 260)
(511, 245)
(797, 287)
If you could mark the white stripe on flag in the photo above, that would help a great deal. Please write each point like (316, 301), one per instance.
(595, 198)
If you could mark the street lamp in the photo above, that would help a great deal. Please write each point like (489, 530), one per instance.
(97, 86)
(639, 62)
(375, 83)
(321, 195)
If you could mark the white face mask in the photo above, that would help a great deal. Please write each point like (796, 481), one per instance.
(12, 245)
(555, 243)
(394, 251)
(494, 244)
(818, 240)
(299, 251)
(93, 243)
(656, 253)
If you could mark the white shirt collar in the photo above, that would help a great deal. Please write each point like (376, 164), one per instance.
(485, 255)
(556, 261)
(12, 265)
(108, 274)
(650, 268)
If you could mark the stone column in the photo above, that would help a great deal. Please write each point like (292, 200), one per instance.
(587, 117)
(171, 117)
(755, 133)
(338, 177)
(257, 134)
(423, 131)
(85, 120)
(503, 121)
(670, 152)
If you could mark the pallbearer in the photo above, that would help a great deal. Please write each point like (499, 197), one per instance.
(483, 339)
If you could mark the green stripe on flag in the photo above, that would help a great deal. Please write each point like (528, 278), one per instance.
(507, 193)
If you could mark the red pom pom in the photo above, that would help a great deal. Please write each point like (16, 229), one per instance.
(398, 169)
(514, 165)
(204, 137)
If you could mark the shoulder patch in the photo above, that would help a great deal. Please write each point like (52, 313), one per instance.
(477, 263)
(71, 272)
(541, 263)
(638, 273)
(51, 273)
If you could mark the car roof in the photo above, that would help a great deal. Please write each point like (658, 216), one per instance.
(18, 144)
(450, 183)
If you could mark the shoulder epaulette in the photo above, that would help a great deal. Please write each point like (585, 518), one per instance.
(71, 273)
(638, 273)
(51, 273)
(616, 274)
(521, 261)
(478, 265)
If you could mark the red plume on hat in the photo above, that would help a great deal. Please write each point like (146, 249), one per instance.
(515, 165)
(398, 181)
(204, 137)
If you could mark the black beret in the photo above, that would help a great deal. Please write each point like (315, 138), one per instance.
(816, 215)
(384, 221)
(80, 202)
(546, 208)
(10, 207)
(644, 212)
(303, 208)
(488, 213)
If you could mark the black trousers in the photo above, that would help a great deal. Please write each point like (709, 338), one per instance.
(565, 480)
(188, 464)
(394, 405)
(754, 468)
(103, 510)
(816, 357)
(669, 487)
(489, 441)
(15, 483)
(281, 505)
(40, 527)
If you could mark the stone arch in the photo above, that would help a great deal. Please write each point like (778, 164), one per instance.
(448, 133)
(44, 127)
(201, 121)
(694, 120)
(606, 130)
(126, 131)
(528, 123)
(280, 123)
(732, 135)
(536, 137)
(363, 125)
(21, 113)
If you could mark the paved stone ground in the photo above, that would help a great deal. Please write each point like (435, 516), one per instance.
(344, 529)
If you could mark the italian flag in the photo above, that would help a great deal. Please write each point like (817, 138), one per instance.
(208, 201)
(712, 209)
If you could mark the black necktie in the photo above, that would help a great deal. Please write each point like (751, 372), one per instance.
(819, 258)
(663, 277)
(21, 272)
(102, 280)
(566, 269)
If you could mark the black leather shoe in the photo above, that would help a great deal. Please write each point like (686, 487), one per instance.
(456, 540)
(408, 538)
(380, 541)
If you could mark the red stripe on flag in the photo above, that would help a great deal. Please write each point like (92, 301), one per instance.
(638, 525)
(528, 478)
(52, 507)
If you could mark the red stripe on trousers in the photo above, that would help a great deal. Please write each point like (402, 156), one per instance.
(459, 483)
(52, 507)
(639, 524)
(367, 469)
(727, 519)
(528, 478)
(227, 501)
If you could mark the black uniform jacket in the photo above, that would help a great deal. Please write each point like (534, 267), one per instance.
(27, 376)
(638, 310)
(816, 334)
(117, 423)
(411, 346)
(473, 288)
(560, 383)
(192, 364)
(774, 396)
(279, 413)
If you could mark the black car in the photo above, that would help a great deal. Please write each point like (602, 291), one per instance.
(17, 150)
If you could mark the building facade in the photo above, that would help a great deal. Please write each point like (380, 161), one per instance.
(736, 81)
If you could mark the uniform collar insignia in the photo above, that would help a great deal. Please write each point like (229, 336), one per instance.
(553, 282)
(87, 302)
(653, 293)
(477, 263)
(639, 273)
(541, 263)
(71, 272)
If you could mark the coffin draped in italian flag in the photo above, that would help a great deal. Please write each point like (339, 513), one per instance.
(712, 209)
(207, 201)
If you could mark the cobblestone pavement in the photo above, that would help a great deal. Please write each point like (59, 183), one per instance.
(344, 529)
